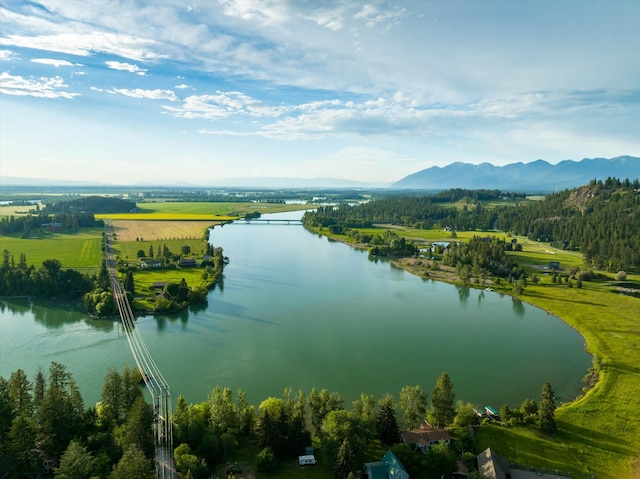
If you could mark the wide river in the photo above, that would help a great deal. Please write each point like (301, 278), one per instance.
(297, 310)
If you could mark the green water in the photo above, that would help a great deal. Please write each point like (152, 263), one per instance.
(297, 310)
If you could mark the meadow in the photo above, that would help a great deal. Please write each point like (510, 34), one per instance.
(81, 251)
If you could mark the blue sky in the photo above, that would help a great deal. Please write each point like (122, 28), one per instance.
(170, 92)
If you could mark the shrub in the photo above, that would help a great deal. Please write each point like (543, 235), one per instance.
(621, 276)
(266, 460)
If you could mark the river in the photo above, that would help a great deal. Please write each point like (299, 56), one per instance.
(297, 310)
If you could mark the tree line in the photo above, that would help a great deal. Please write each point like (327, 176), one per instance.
(601, 219)
(39, 223)
(113, 439)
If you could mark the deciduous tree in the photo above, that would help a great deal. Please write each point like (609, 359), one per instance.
(442, 402)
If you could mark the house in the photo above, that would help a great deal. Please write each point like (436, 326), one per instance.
(187, 262)
(389, 467)
(52, 227)
(492, 466)
(158, 287)
(554, 265)
(150, 263)
(491, 412)
(425, 437)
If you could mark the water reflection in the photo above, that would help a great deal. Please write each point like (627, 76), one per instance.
(518, 306)
(463, 293)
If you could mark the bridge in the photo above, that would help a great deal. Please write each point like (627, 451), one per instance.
(278, 221)
(151, 375)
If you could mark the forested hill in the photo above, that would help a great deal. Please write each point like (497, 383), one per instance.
(601, 219)
(91, 204)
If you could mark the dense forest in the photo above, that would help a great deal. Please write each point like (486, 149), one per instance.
(601, 220)
(91, 204)
(43, 422)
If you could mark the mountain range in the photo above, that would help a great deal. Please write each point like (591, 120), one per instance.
(536, 177)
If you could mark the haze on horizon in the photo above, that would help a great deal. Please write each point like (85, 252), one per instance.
(130, 92)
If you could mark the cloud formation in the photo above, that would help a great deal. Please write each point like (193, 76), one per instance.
(410, 83)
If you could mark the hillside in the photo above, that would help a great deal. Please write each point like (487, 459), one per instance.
(536, 177)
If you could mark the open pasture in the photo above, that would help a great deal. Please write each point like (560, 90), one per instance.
(14, 210)
(80, 251)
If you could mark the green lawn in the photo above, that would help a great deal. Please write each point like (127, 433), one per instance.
(82, 250)
(127, 250)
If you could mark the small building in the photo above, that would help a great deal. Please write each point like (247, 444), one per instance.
(158, 287)
(554, 265)
(492, 466)
(150, 263)
(389, 467)
(187, 262)
(52, 227)
(425, 437)
(491, 412)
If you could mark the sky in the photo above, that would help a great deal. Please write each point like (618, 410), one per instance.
(175, 92)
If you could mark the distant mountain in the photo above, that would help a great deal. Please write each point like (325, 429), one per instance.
(537, 176)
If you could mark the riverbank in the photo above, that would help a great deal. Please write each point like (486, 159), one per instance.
(599, 433)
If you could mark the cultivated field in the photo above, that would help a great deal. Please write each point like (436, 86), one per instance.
(153, 230)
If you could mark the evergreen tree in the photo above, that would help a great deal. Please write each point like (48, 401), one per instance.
(75, 463)
(345, 461)
(128, 284)
(133, 465)
(547, 409)
(443, 402)
(386, 423)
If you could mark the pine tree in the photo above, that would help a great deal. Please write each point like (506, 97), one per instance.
(386, 423)
(547, 409)
(345, 461)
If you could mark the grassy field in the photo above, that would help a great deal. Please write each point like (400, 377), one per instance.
(127, 250)
(13, 210)
(82, 251)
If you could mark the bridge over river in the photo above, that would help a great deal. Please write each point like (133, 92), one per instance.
(151, 375)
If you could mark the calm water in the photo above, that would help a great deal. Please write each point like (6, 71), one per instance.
(298, 310)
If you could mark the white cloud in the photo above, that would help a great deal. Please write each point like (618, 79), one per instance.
(55, 63)
(42, 87)
(6, 54)
(149, 94)
(223, 105)
(127, 67)
(86, 44)
(182, 86)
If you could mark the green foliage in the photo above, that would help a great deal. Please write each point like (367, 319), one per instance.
(386, 423)
(413, 402)
(133, 465)
(266, 460)
(547, 409)
(442, 402)
(75, 463)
